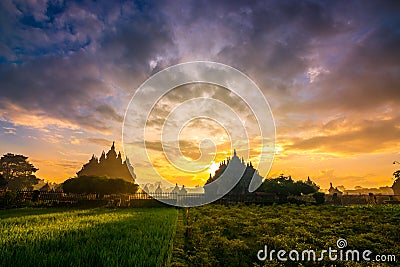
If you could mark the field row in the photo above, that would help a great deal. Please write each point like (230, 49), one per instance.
(212, 235)
(232, 236)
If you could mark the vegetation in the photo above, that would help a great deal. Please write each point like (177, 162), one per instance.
(3, 182)
(99, 185)
(86, 237)
(396, 174)
(284, 187)
(17, 172)
(319, 197)
(211, 235)
(215, 235)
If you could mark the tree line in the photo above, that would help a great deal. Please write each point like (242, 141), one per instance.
(17, 173)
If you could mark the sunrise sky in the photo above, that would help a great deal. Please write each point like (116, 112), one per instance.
(329, 69)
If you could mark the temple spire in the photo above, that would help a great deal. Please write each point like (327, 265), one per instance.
(113, 146)
(102, 157)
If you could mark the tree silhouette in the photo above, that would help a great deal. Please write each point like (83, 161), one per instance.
(284, 186)
(18, 172)
(396, 174)
(3, 182)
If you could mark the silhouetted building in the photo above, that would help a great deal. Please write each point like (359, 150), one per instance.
(158, 189)
(110, 165)
(176, 189)
(183, 190)
(236, 165)
(46, 188)
(145, 189)
(334, 190)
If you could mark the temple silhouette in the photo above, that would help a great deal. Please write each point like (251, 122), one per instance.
(110, 165)
(334, 190)
(236, 166)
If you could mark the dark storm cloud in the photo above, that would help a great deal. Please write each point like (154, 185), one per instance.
(278, 37)
(58, 88)
(109, 112)
(33, 30)
(363, 70)
(270, 40)
(277, 42)
(62, 59)
(368, 76)
(79, 61)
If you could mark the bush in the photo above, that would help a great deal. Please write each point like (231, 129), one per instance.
(10, 200)
(319, 197)
(284, 187)
(98, 185)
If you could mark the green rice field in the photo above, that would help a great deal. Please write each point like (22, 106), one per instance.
(215, 235)
(86, 237)
(212, 235)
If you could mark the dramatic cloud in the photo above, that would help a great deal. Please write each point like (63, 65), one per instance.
(52, 71)
(347, 138)
(100, 141)
(330, 71)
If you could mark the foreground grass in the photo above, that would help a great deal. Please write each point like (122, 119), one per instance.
(211, 235)
(86, 237)
(216, 235)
